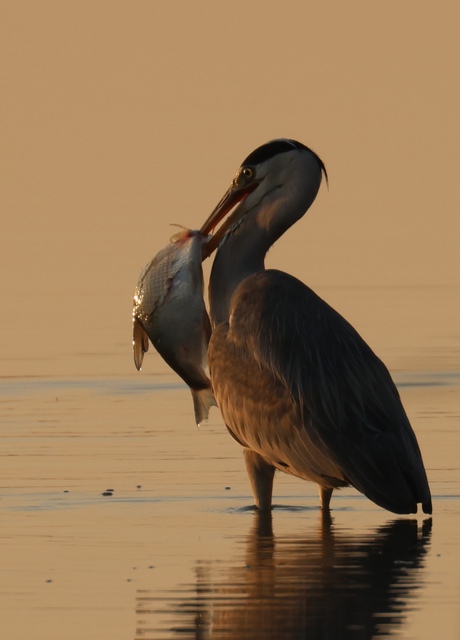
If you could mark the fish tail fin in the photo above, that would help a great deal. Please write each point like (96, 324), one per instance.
(203, 400)
(140, 343)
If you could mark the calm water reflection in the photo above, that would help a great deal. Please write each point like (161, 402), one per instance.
(329, 584)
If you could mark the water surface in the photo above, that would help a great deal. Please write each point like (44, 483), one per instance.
(173, 548)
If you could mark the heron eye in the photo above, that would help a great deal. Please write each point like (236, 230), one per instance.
(248, 172)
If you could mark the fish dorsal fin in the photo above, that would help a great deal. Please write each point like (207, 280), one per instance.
(180, 235)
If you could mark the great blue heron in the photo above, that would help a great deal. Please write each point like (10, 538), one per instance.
(297, 386)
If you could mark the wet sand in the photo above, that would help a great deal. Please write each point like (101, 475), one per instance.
(173, 548)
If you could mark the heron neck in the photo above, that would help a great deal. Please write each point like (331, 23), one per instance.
(238, 257)
(242, 252)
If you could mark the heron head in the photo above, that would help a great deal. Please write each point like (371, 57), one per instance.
(280, 167)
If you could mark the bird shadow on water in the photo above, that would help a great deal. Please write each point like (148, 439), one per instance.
(328, 584)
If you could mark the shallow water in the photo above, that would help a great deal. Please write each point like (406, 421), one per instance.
(121, 519)
(175, 551)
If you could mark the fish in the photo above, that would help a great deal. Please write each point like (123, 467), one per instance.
(169, 310)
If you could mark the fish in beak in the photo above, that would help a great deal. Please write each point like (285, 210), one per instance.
(169, 311)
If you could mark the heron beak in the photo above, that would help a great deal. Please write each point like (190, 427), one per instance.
(232, 197)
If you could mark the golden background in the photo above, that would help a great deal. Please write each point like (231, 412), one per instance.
(119, 118)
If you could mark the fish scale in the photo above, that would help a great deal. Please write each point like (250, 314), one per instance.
(156, 278)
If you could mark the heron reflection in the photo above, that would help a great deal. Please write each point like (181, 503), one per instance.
(330, 585)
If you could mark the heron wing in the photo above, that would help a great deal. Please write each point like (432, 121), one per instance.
(339, 399)
(261, 415)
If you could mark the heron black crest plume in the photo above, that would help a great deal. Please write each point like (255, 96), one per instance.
(281, 145)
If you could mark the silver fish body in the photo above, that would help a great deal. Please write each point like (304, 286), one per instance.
(169, 310)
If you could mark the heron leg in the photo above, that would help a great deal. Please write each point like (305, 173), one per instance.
(325, 497)
(260, 474)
